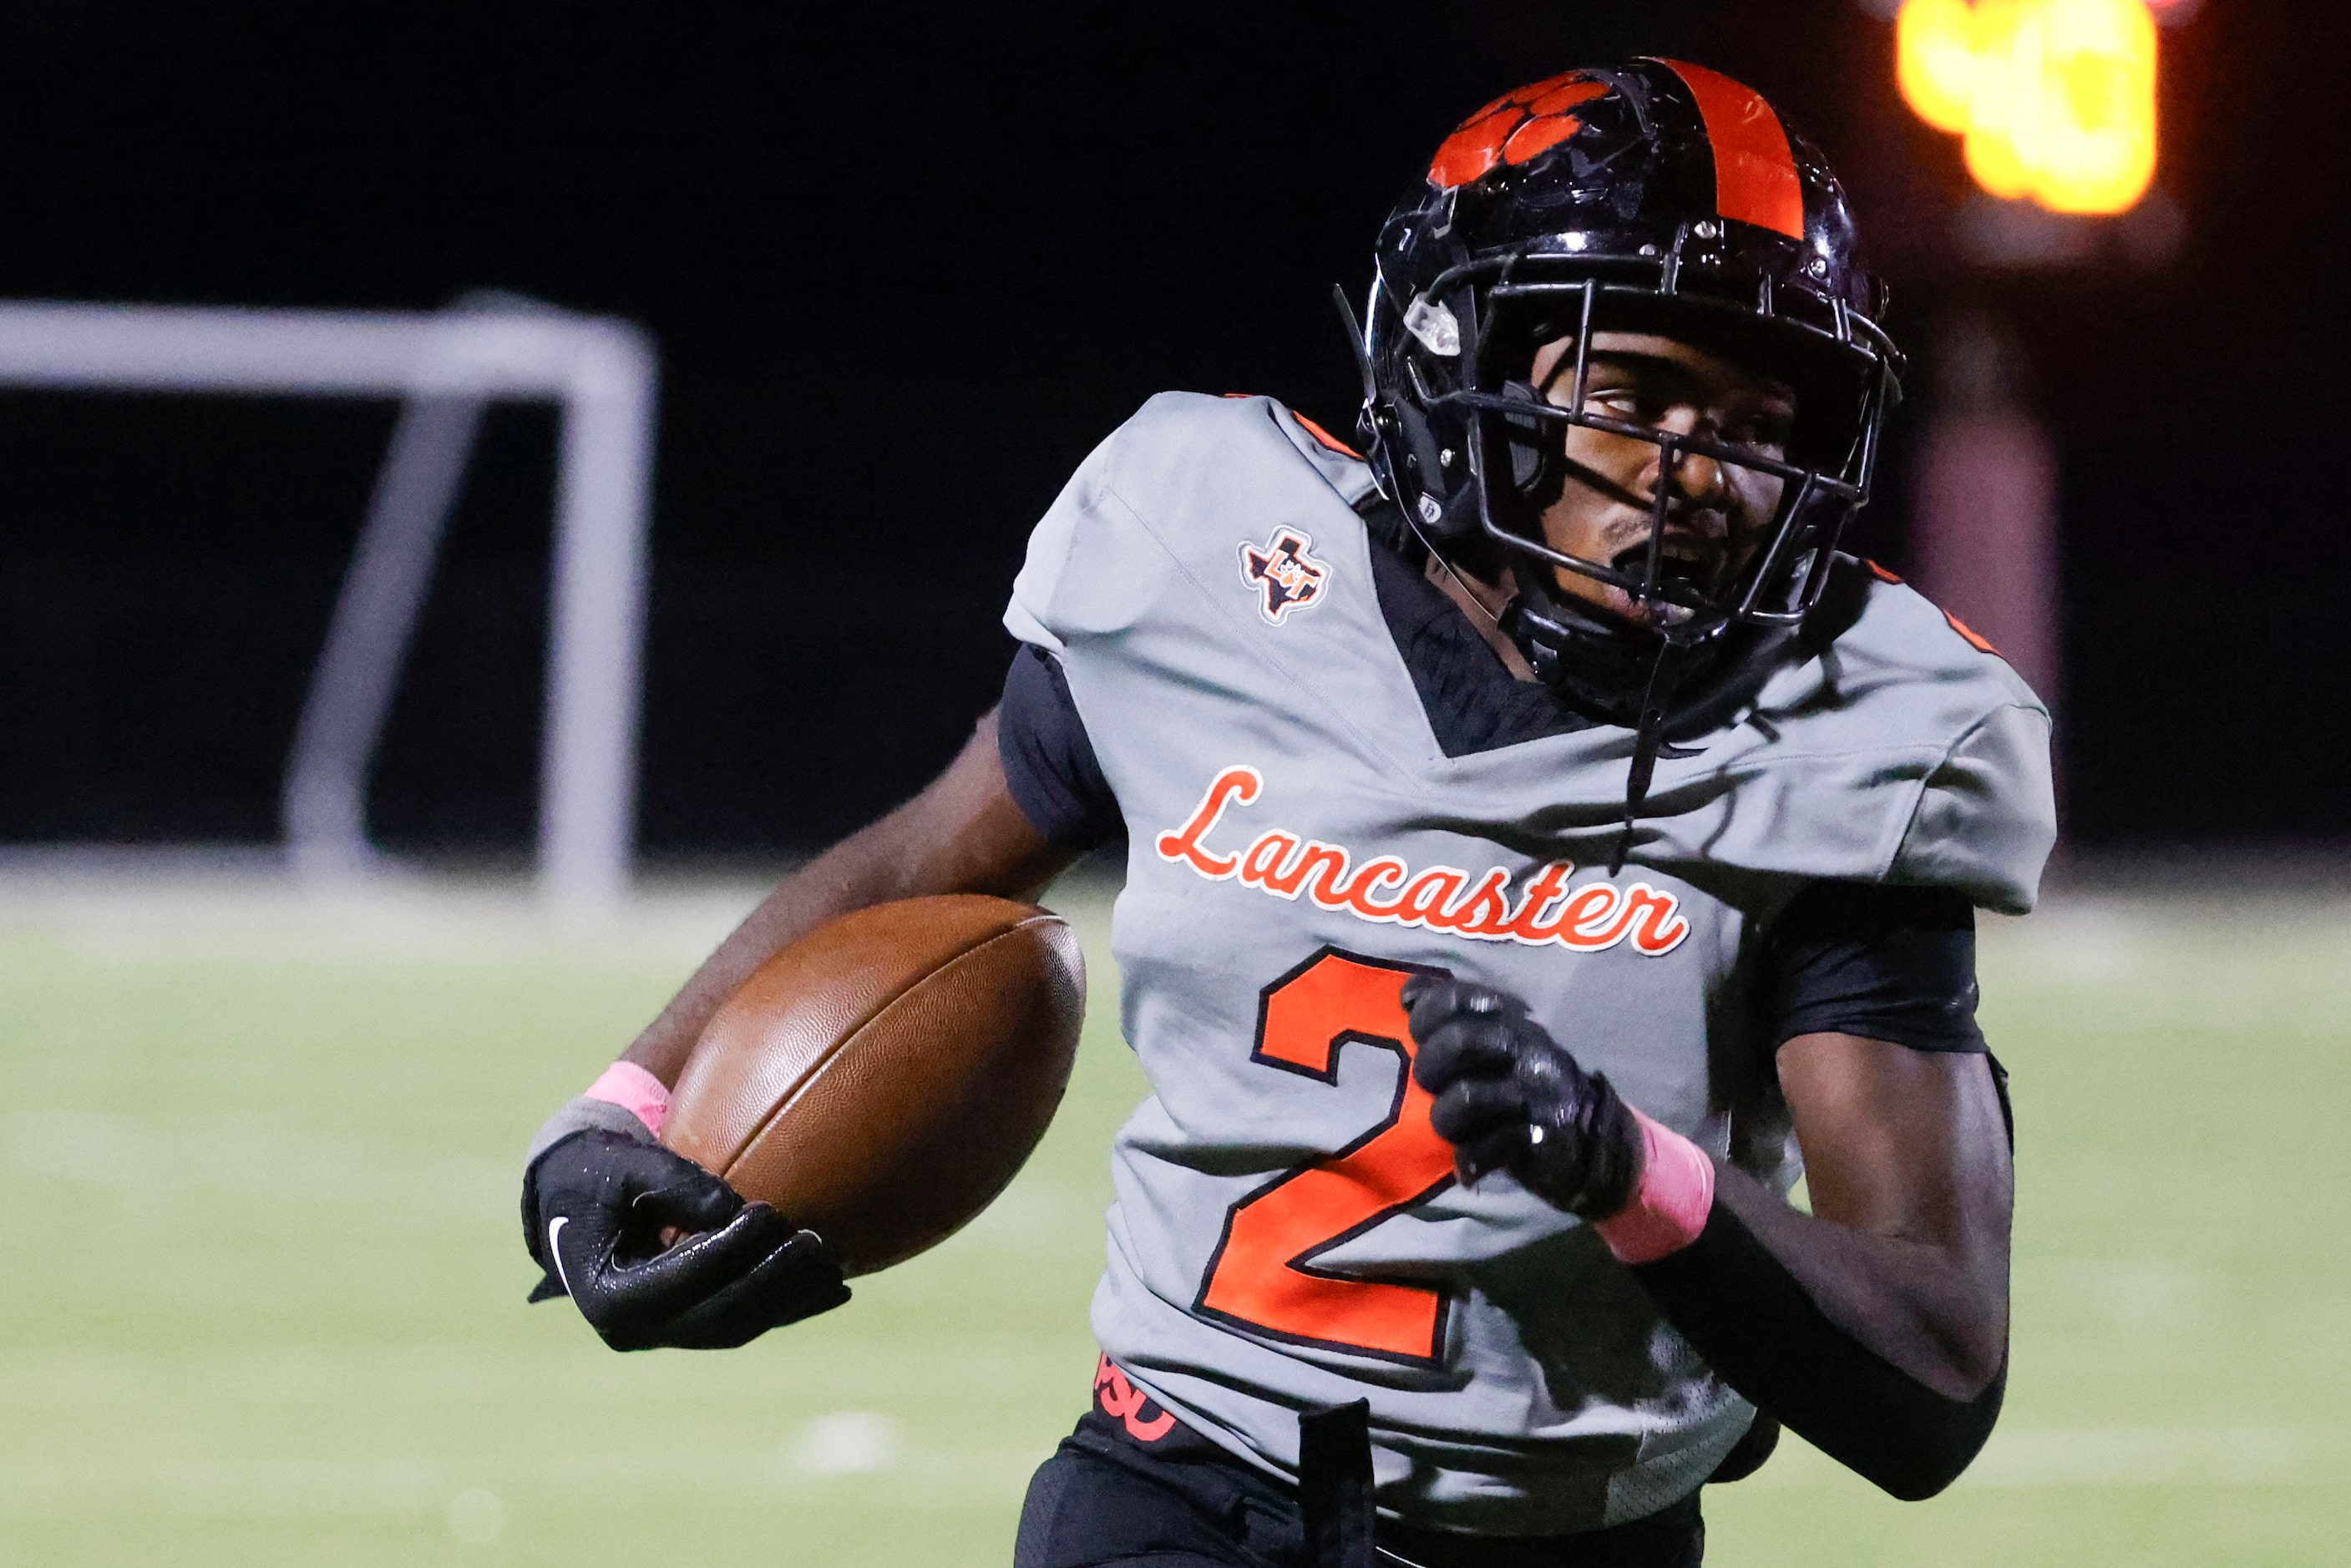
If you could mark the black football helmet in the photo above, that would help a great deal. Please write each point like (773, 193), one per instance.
(1656, 196)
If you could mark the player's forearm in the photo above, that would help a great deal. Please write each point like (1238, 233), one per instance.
(964, 833)
(1936, 1313)
(1888, 1354)
(850, 876)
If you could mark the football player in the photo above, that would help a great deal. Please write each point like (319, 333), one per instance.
(1542, 843)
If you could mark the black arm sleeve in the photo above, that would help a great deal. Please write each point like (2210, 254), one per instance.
(1897, 964)
(1048, 762)
(1757, 1327)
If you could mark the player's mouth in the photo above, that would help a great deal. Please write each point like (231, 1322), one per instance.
(1683, 560)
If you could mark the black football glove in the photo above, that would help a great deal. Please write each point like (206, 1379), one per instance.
(1509, 1098)
(594, 1205)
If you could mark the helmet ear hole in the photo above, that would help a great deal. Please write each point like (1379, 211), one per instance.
(1525, 436)
(1537, 453)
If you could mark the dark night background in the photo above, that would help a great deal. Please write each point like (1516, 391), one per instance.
(904, 273)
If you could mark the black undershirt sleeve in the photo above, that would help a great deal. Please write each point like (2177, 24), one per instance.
(1897, 964)
(1048, 762)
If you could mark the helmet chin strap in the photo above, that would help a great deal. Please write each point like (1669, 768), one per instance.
(1597, 667)
(1662, 683)
(1648, 735)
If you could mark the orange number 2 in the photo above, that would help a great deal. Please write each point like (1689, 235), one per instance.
(1262, 1277)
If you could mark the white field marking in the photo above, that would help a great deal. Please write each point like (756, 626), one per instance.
(246, 907)
(422, 1488)
(47, 1389)
(2112, 1456)
(2082, 940)
(2127, 1456)
(2126, 1293)
(89, 1149)
(477, 1516)
(1038, 1222)
(234, 1489)
(846, 1443)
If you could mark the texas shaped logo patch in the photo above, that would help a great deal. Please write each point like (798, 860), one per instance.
(1285, 577)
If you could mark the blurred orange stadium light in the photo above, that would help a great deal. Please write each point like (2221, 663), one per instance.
(2056, 98)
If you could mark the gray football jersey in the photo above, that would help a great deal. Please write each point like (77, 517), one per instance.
(1287, 1231)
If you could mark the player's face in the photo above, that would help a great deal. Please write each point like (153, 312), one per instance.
(1717, 514)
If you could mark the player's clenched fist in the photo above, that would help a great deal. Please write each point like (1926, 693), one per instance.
(597, 1207)
(1510, 1097)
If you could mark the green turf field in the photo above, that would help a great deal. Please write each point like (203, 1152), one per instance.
(263, 1285)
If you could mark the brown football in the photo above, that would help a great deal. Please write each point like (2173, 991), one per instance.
(881, 1080)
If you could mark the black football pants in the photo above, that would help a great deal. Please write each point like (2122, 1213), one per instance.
(1105, 1499)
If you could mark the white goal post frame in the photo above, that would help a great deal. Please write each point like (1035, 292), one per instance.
(443, 367)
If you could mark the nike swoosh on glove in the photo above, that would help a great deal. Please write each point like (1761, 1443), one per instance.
(594, 1206)
(1510, 1097)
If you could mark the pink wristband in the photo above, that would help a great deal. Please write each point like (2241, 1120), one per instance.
(634, 1090)
(1670, 1208)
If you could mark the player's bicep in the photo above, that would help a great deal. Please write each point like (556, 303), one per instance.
(1873, 992)
(1902, 1143)
(966, 833)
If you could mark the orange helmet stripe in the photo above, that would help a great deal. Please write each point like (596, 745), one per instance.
(1754, 171)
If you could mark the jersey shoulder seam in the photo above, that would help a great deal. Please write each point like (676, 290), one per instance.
(1926, 778)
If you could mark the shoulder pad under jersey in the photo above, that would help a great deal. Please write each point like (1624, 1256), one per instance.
(1095, 563)
(1905, 675)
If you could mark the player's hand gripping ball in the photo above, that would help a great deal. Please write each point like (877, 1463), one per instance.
(1510, 1097)
(599, 1206)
